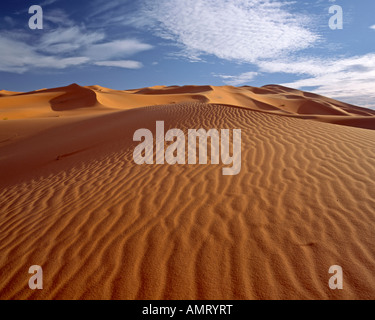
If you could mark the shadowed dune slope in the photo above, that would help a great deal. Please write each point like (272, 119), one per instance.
(73, 201)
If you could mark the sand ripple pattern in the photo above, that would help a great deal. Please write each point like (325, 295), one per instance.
(105, 228)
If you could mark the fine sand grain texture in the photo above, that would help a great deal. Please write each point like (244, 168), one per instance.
(73, 201)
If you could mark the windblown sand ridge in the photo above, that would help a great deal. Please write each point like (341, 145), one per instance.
(73, 200)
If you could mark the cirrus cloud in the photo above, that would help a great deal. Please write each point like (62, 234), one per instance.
(238, 79)
(128, 64)
(241, 30)
(65, 47)
(12, 61)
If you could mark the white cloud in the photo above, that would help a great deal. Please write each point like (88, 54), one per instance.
(241, 30)
(64, 47)
(117, 48)
(238, 79)
(48, 2)
(127, 64)
(12, 61)
(63, 43)
(57, 16)
(103, 10)
(68, 39)
(373, 27)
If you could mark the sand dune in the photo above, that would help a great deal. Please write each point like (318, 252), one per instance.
(73, 201)
(65, 101)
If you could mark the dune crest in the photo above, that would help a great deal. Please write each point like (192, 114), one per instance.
(271, 98)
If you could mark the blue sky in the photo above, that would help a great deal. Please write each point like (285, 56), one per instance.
(124, 44)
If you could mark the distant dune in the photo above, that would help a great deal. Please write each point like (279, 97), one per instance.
(73, 201)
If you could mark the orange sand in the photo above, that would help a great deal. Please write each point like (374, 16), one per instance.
(73, 201)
